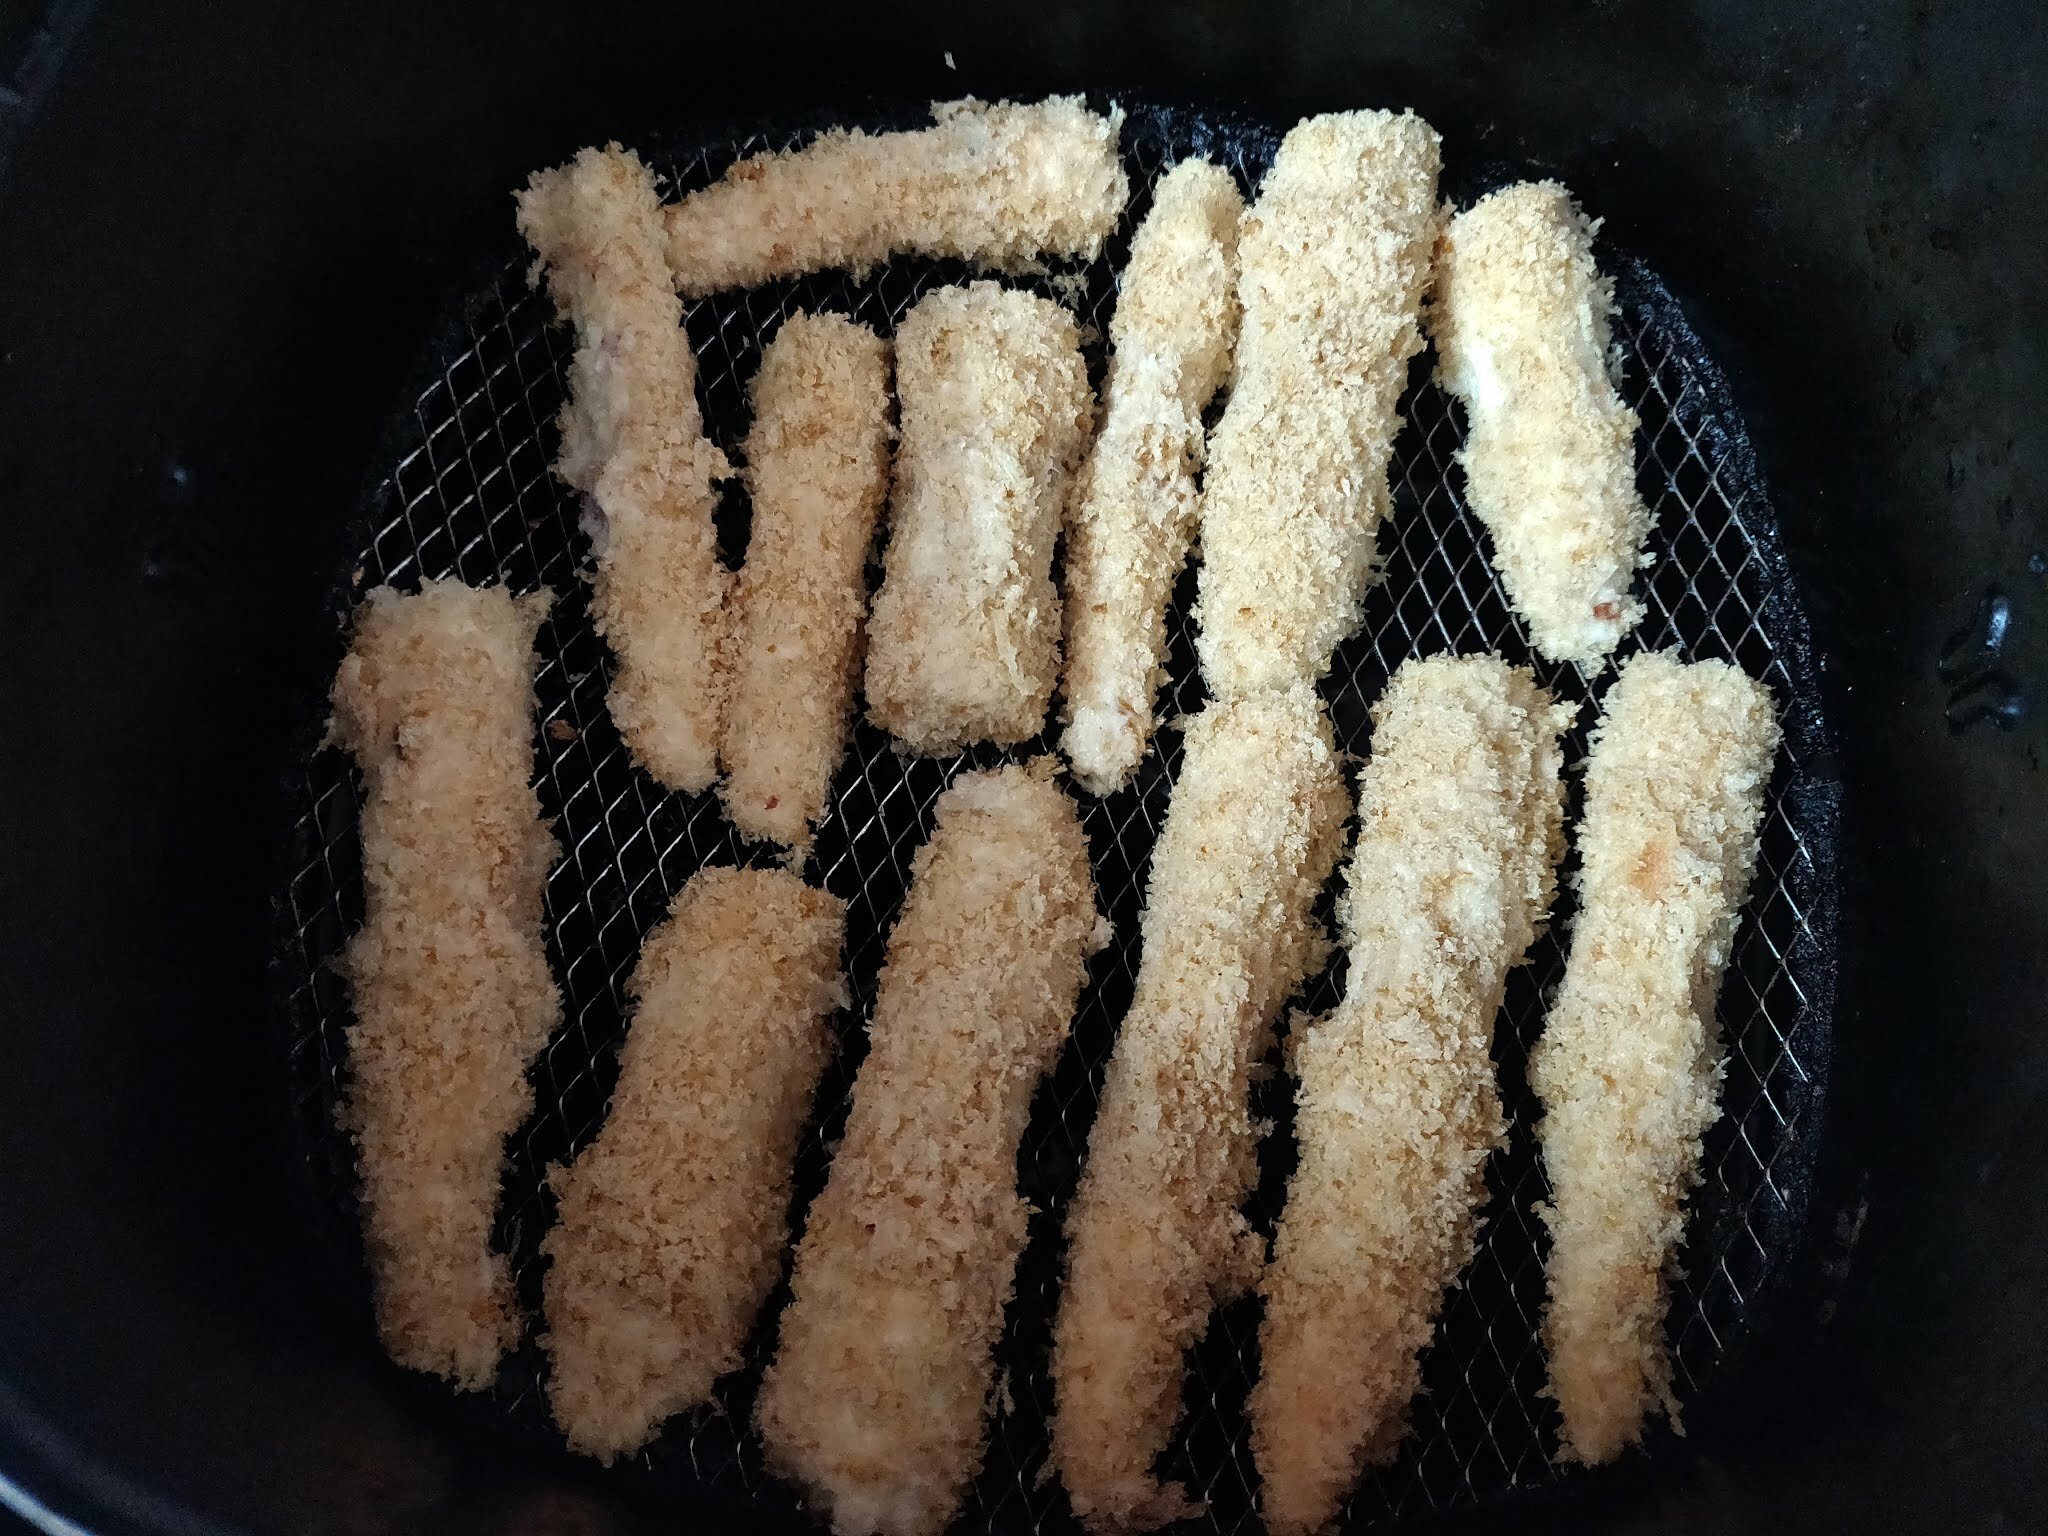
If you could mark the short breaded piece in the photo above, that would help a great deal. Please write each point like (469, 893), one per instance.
(997, 186)
(877, 1403)
(1521, 319)
(633, 441)
(1334, 259)
(448, 974)
(818, 470)
(1155, 1237)
(1629, 1066)
(1134, 511)
(673, 1221)
(1461, 824)
(964, 639)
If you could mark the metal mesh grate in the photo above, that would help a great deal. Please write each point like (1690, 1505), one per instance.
(468, 493)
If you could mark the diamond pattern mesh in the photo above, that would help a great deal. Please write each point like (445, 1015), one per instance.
(466, 491)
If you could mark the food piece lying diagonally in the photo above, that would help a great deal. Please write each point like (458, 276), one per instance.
(448, 974)
(1521, 318)
(1461, 825)
(1628, 1069)
(1155, 1237)
(1134, 507)
(633, 442)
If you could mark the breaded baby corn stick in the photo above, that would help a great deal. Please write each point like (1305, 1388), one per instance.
(997, 186)
(964, 638)
(672, 1222)
(1155, 1238)
(450, 980)
(1134, 515)
(633, 441)
(818, 468)
(877, 1403)
(1629, 1065)
(1521, 319)
(1334, 258)
(1461, 824)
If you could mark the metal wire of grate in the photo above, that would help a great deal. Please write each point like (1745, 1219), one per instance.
(467, 492)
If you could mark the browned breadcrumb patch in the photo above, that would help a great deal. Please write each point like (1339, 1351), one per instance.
(963, 642)
(1334, 257)
(1461, 824)
(633, 441)
(1134, 512)
(1521, 318)
(1155, 1238)
(673, 1221)
(818, 470)
(878, 1399)
(1629, 1066)
(450, 981)
(998, 186)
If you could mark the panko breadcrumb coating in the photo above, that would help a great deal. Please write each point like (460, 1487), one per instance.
(997, 186)
(1521, 320)
(818, 470)
(1134, 513)
(1461, 824)
(450, 980)
(1334, 260)
(1155, 1238)
(633, 441)
(963, 642)
(878, 1400)
(1629, 1066)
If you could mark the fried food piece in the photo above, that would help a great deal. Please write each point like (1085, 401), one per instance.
(1334, 258)
(450, 980)
(1629, 1066)
(1155, 1238)
(877, 1403)
(1134, 515)
(963, 642)
(673, 1221)
(1521, 319)
(1461, 825)
(633, 442)
(997, 186)
(818, 469)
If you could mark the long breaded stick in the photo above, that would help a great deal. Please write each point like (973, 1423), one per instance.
(1134, 515)
(1334, 258)
(633, 441)
(1155, 1239)
(1521, 319)
(1629, 1065)
(997, 186)
(1461, 824)
(818, 468)
(963, 642)
(672, 1222)
(450, 979)
(878, 1399)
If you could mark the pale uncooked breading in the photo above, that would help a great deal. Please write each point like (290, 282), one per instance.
(878, 1399)
(1334, 259)
(449, 978)
(1521, 319)
(997, 186)
(1629, 1065)
(1134, 511)
(672, 1223)
(633, 441)
(818, 470)
(1461, 824)
(1155, 1236)
(964, 638)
